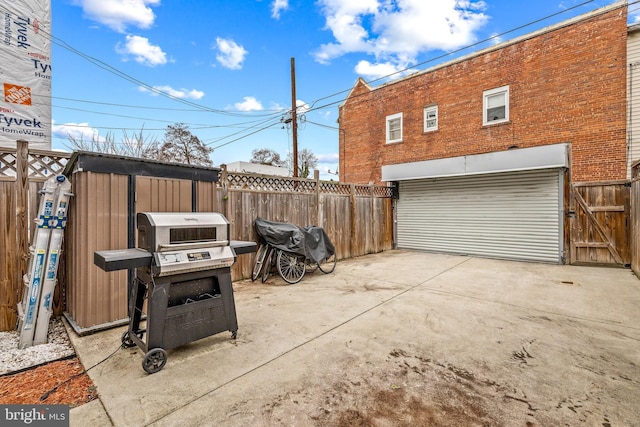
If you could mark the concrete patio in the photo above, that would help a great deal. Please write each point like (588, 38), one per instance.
(397, 338)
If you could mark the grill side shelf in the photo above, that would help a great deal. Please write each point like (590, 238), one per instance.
(241, 247)
(122, 259)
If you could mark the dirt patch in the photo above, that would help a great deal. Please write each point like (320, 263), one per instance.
(408, 390)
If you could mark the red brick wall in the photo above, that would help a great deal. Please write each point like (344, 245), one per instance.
(567, 85)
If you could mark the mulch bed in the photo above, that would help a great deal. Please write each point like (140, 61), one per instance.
(59, 382)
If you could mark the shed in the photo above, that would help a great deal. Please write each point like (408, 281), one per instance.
(109, 191)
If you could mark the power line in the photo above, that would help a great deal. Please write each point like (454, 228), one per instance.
(449, 54)
(198, 107)
(200, 125)
(323, 125)
(453, 52)
(146, 107)
(107, 67)
(244, 136)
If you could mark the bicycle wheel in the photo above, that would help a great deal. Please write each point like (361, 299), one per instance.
(290, 266)
(268, 264)
(328, 264)
(258, 263)
(310, 265)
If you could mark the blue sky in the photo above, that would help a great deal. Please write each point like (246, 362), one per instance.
(226, 63)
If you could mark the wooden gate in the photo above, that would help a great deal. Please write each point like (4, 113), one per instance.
(599, 223)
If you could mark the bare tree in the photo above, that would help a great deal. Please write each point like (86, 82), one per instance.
(96, 144)
(267, 156)
(138, 145)
(307, 161)
(181, 146)
(134, 145)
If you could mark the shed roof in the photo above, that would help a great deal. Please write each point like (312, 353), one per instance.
(122, 165)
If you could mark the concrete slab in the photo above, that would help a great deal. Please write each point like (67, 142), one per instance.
(399, 338)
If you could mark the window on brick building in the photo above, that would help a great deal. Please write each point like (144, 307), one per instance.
(495, 105)
(394, 128)
(430, 118)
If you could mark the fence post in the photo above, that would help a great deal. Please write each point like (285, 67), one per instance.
(316, 220)
(352, 199)
(372, 238)
(224, 184)
(22, 212)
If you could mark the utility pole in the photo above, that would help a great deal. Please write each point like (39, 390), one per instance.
(294, 118)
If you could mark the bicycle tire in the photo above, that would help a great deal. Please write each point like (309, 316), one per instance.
(328, 264)
(291, 267)
(259, 261)
(268, 263)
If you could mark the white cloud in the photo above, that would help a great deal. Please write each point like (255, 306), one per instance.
(395, 32)
(277, 107)
(77, 131)
(142, 51)
(277, 6)
(375, 71)
(176, 93)
(119, 14)
(249, 103)
(231, 55)
(302, 107)
(327, 158)
(496, 39)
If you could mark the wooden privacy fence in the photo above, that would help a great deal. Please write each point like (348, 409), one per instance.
(358, 219)
(634, 218)
(22, 173)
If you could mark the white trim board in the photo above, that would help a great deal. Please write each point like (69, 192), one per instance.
(543, 157)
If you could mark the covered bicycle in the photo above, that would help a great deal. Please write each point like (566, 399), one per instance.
(293, 249)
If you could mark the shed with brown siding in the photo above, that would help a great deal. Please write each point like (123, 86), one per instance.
(109, 192)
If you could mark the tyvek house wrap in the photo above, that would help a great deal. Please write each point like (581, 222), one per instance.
(25, 73)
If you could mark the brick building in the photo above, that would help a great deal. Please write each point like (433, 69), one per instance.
(482, 147)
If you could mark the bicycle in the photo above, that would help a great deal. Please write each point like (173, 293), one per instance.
(294, 263)
(291, 267)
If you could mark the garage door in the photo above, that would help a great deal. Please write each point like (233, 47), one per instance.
(516, 215)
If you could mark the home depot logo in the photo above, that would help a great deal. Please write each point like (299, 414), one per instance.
(17, 94)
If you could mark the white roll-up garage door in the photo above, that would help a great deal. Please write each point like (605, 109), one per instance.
(515, 215)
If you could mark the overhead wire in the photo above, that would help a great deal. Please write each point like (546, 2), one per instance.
(198, 107)
(190, 124)
(109, 68)
(147, 107)
(103, 65)
(453, 52)
(331, 104)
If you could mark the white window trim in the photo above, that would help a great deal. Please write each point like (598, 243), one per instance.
(427, 109)
(393, 117)
(485, 95)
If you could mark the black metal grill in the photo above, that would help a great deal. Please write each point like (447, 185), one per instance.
(183, 279)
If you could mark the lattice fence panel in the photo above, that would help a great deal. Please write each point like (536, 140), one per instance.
(8, 163)
(42, 164)
(328, 187)
(363, 190)
(380, 191)
(269, 183)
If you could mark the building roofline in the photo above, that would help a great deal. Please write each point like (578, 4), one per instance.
(545, 30)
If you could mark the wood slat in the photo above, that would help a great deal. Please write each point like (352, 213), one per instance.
(600, 227)
(98, 220)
